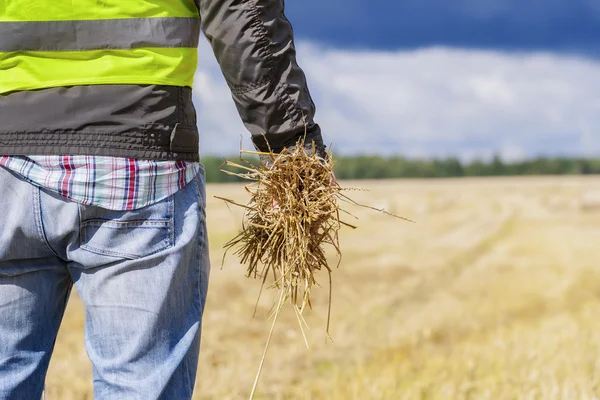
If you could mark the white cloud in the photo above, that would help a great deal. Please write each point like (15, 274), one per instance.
(430, 102)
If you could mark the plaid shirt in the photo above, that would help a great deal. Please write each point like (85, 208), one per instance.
(110, 182)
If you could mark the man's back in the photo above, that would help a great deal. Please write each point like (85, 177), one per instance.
(95, 111)
(114, 77)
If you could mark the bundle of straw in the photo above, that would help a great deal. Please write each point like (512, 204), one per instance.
(292, 213)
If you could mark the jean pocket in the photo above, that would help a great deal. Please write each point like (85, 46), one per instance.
(127, 234)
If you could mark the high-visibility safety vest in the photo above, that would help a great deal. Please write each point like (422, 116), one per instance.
(109, 54)
(46, 43)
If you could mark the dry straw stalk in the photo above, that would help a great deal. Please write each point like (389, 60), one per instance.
(292, 214)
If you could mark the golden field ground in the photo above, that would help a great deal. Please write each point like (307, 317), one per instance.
(494, 293)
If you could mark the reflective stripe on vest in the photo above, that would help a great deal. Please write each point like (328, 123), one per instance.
(86, 42)
(125, 33)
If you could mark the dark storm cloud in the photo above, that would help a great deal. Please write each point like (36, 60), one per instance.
(554, 25)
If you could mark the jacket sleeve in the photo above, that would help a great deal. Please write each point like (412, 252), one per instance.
(253, 42)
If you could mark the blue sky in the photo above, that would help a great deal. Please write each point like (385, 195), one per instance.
(436, 78)
(571, 25)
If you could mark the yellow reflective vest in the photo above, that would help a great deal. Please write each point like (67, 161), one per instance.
(50, 43)
(114, 77)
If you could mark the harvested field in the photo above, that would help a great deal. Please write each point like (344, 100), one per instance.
(493, 294)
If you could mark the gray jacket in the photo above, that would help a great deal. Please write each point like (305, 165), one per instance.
(253, 43)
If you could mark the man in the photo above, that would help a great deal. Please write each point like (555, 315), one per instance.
(100, 181)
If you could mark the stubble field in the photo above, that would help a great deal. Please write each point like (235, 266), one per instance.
(494, 293)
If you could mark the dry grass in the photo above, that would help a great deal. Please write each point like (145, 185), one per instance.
(493, 294)
(292, 214)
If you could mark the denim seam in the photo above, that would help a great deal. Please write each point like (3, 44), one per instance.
(198, 193)
(64, 307)
(198, 261)
(126, 224)
(196, 178)
(199, 265)
(38, 219)
(200, 239)
(171, 226)
(129, 256)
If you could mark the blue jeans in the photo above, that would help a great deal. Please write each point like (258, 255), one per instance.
(142, 276)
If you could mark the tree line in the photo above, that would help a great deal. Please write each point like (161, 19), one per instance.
(379, 167)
